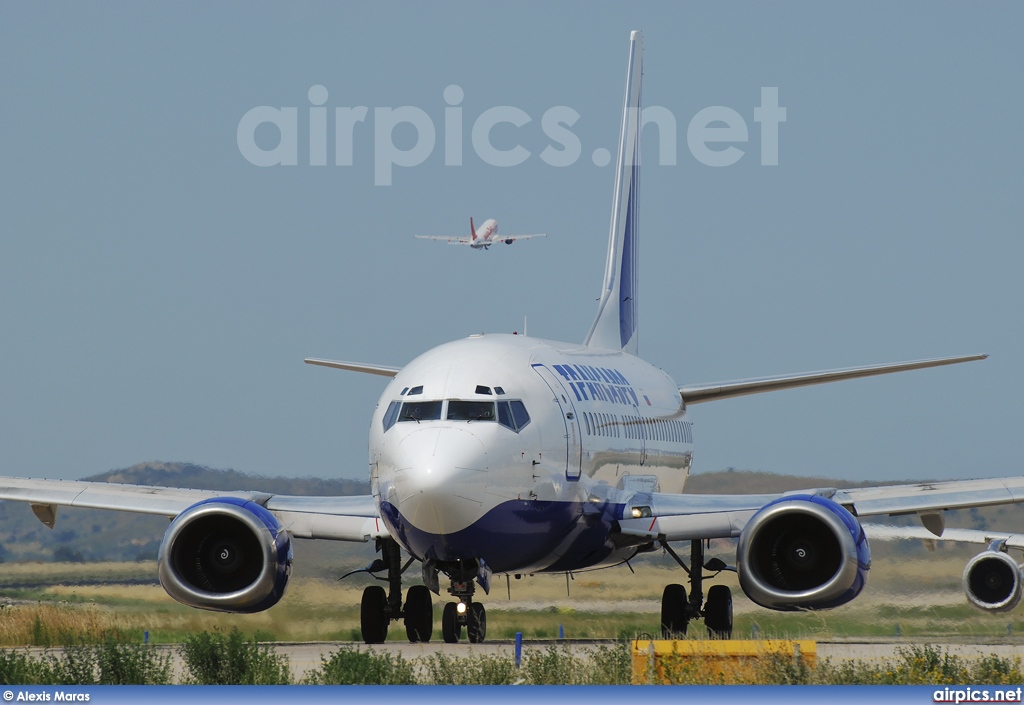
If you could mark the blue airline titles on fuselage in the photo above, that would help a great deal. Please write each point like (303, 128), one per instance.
(600, 383)
(609, 385)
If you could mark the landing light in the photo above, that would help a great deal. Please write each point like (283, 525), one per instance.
(461, 608)
(640, 512)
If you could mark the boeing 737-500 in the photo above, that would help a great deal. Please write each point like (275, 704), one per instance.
(480, 238)
(502, 455)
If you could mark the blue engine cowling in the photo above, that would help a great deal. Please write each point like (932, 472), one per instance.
(226, 554)
(802, 552)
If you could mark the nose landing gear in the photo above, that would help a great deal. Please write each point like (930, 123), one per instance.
(464, 612)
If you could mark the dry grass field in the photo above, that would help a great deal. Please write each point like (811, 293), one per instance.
(910, 597)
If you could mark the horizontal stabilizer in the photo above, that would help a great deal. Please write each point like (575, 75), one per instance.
(382, 370)
(697, 393)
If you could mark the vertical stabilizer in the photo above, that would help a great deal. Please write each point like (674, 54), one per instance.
(616, 323)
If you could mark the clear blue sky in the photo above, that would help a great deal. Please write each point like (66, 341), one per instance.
(158, 292)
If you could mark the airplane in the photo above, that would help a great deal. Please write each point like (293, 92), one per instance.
(505, 455)
(481, 238)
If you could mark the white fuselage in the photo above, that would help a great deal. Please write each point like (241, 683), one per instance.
(485, 233)
(475, 480)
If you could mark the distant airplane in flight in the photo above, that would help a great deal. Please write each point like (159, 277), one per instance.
(481, 238)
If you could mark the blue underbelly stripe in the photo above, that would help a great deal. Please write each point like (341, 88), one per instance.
(515, 535)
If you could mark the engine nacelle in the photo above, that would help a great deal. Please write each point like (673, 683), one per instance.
(226, 554)
(992, 581)
(509, 241)
(802, 552)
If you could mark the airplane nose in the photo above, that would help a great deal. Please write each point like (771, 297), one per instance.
(438, 473)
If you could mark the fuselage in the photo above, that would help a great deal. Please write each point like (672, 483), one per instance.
(518, 452)
(484, 235)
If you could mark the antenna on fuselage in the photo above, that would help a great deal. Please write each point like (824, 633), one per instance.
(524, 325)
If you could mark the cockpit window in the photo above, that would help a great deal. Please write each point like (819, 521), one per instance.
(420, 411)
(416, 390)
(391, 415)
(505, 416)
(470, 410)
(519, 414)
(512, 414)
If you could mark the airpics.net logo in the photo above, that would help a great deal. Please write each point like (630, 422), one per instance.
(712, 134)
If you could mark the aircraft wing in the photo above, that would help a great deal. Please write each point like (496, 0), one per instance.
(349, 518)
(450, 239)
(682, 517)
(885, 532)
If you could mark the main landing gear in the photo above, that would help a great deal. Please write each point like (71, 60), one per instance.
(677, 611)
(379, 607)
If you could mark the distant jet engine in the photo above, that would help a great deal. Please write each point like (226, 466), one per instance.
(226, 554)
(992, 581)
(802, 552)
(509, 241)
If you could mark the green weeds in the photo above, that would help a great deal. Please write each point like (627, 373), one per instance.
(115, 661)
(350, 666)
(229, 657)
(913, 665)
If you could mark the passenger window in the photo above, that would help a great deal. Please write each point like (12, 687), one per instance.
(391, 415)
(420, 411)
(470, 410)
(519, 414)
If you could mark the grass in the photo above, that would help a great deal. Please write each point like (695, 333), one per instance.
(229, 658)
(911, 598)
(912, 665)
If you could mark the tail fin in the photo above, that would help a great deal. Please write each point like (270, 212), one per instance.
(472, 230)
(616, 323)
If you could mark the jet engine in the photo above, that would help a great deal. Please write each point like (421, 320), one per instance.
(226, 554)
(509, 241)
(802, 552)
(992, 581)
